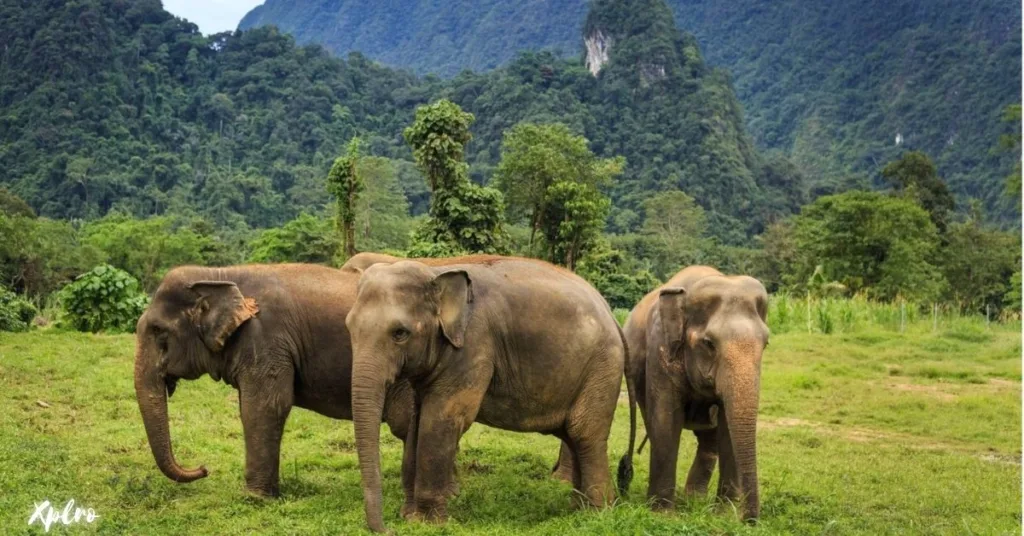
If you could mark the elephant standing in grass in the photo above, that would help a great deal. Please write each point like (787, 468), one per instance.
(274, 332)
(695, 345)
(516, 344)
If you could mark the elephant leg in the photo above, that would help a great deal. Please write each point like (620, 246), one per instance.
(443, 418)
(565, 465)
(703, 463)
(409, 469)
(264, 404)
(729, 487)
(664, 424)
(588, 427)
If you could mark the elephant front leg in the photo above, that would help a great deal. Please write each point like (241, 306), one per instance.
(442, 421)
(665, 419)
(264, 407)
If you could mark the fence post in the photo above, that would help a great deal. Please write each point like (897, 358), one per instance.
(809, 312)
(986, 315)
(903, 315)
(935, 317)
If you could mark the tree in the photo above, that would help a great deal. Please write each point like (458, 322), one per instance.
(463, 217)
(307, 238)
(1011, 143)
(146, 249)
(881, 245)
(345, 184)
(575, 214)
(915, 177)
(536, 156)
(382, 214)
(675, 225)
(979, 264)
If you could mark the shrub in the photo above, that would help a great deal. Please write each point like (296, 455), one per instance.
(103, 299)
(16, 313)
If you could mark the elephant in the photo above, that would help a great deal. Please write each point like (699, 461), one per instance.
(695, 362)
(516, 344)
(359, 262)
(274, 332)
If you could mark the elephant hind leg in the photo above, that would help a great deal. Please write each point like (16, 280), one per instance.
(587, 428)
(565, 465)
(703, 463)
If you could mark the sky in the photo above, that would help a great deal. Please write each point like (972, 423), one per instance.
(212, 16)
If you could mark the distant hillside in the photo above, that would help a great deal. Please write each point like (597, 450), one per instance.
(111, 105)
(832, 83)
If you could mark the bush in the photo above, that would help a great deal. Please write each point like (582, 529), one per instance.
(16, 313)
(103, 299)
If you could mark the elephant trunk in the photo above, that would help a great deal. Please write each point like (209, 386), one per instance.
(368, 391)
(740, 397)
(151, 394)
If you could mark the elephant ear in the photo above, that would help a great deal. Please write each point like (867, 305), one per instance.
(219, 311)
(670, 307)
(453, 293)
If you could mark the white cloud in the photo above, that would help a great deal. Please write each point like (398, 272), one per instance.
(212, 16)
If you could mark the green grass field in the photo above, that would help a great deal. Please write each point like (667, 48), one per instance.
(862, 432)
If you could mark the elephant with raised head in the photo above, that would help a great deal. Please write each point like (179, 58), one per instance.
(695, 345)
(274, 332)
(517, 344)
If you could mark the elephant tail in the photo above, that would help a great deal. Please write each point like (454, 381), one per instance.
(625, 473)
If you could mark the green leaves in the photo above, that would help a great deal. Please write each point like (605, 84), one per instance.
(463, 217)
(103, 299)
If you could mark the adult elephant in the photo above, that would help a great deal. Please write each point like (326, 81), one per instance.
(274, 332)
(696, 345)
(512, 343)
(564, 466)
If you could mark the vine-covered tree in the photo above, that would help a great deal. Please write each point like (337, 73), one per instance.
(345, 184)
(463, 216)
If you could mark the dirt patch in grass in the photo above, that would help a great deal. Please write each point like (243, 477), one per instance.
(865, 435)
(932, 390)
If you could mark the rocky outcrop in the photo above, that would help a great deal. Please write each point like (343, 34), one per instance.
(598, 47)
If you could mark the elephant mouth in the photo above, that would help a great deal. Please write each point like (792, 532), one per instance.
(172, 383)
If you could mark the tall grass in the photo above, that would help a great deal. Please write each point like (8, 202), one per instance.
(788, 312)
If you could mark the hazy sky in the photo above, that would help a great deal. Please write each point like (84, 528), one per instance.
(212, 16)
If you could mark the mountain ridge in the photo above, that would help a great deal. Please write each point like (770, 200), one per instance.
(831, 84)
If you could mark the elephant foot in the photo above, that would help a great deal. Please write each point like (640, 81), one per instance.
(408, 510)
(662, 505)
(263, 494)
(435, 516)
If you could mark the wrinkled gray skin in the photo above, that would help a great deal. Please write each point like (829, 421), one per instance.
(512, 343)
(274, 332)
(695, 345)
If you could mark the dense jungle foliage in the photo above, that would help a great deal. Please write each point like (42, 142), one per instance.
(830, 84)
(127, 138)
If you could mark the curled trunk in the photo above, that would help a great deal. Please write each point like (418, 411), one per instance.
(151, 394)
(368, 391)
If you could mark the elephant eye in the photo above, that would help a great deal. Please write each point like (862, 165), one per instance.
(400, 334)
(710, 344)
(161, 341)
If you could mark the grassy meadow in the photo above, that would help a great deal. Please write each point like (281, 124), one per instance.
(865, 429)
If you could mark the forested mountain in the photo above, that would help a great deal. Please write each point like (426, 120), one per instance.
(831, 83)
(113, 104)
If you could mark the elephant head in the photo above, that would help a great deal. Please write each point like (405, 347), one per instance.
(715, 333)
(405, 317)
(182, 335)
